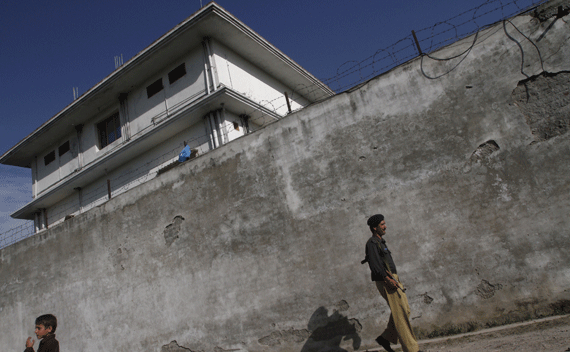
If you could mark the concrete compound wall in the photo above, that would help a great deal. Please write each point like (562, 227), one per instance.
(256, 246)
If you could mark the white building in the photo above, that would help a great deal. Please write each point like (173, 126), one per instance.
(208, 81)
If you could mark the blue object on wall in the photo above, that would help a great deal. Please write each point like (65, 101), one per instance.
(184, 154)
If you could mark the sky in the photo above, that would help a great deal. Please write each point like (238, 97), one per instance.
(48, 48)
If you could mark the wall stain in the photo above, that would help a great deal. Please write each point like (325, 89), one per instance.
(483, 151)
(172, 231)
(546, 10)
(174, 347)
(545, 103)
(525, 311)
(278, 337)
(427, 299)
(560, 307)
(121, 256)
(487, 290)
(342, 305)
(219, 349)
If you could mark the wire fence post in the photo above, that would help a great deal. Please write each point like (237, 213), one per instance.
(288, 103)
(417, 43)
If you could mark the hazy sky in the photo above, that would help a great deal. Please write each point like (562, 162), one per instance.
(47, 48)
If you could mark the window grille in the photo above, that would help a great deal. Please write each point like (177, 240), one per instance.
(109, 130)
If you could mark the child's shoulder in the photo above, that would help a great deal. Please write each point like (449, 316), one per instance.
(50, 344)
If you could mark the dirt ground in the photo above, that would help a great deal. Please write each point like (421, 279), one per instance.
(549, 334)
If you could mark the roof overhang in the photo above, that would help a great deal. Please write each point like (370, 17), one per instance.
(211, 21)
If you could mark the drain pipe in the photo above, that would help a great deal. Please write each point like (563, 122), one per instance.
(210, 66)
(215, 138)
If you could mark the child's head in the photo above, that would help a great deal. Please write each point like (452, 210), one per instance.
(45, 324)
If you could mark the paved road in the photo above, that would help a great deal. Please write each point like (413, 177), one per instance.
(549, 334)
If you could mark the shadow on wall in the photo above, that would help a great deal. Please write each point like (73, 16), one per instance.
(323, 333)
(327, 332)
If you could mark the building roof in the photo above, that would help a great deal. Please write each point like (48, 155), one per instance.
(210, 21)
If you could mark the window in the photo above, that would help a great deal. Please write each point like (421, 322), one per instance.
(49, 158)
(177, 73)
(109, 130)
(64, 148)
(154, 88)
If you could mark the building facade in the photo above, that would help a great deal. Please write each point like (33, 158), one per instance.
(208, 81)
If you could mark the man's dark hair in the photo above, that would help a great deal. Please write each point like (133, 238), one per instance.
(374, 220)
(47, 320)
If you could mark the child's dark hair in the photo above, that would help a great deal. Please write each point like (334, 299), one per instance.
(47, 320)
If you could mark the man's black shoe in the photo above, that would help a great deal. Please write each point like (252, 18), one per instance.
(384, 343)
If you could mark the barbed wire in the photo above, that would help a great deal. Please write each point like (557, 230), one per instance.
(16, 234)
(348, 75)
(430, 39)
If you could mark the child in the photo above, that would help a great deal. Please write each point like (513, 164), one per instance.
(45, 329)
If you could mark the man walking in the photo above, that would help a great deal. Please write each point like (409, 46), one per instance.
(383, 272)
